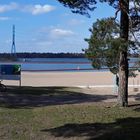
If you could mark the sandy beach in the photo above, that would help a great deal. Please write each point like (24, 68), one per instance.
(99, 83)
(70, 79)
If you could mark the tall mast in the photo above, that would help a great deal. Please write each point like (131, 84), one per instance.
(13, 49)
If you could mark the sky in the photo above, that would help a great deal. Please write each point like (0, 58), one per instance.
(46, 26)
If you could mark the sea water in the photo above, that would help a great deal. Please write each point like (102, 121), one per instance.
(63, 64)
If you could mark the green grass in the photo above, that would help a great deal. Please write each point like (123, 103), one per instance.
(67, 119)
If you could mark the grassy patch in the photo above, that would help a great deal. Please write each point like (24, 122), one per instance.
(68, 119)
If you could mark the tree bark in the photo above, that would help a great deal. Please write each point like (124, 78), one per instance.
(123, 61)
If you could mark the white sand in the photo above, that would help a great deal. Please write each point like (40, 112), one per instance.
(101, 83)
(83, 79)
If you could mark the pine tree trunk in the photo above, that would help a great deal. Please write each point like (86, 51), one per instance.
(123, 61)
(123, 80)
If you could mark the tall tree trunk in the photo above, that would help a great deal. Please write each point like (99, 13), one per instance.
(123, 61)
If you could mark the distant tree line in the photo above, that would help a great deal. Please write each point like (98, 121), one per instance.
(50, 55)
(43, 55)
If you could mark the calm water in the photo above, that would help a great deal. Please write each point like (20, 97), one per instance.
(56, 64)
(61, 64)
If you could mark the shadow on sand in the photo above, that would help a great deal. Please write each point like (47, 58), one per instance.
(28, 97)
(121, 129)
